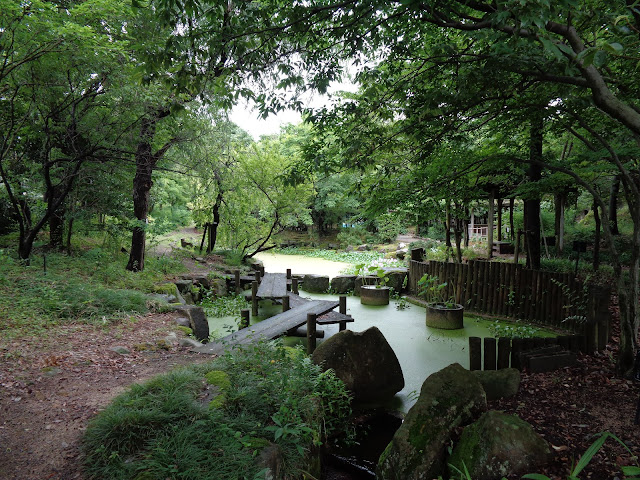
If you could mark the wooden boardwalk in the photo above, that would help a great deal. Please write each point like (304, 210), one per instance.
(273, 285)
(280, 324)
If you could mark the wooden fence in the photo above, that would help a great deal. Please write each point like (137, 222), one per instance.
(509, 290)
(494, 354)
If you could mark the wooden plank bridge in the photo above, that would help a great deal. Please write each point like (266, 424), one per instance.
(274, 286)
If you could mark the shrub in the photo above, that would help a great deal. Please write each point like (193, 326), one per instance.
(165, 429)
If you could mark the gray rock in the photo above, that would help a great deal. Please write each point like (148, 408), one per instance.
(121, 350)
(363, 248)
(219, 287)
(448, 399)
(498, 445)
(364, 361)
(499, 384)
(396, 278)
(159, 297)
(171, 339)
(400, 254)
(183, 322)
(349, 248)
(402, 246)
(184, 285)
(343, 283)
(201, 281)
(190, 343)
(315, 283)
(198, 323)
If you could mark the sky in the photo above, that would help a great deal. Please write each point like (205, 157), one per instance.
(246, 118)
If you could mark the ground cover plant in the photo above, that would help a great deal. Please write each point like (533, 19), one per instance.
(90, 286)
(212, 421)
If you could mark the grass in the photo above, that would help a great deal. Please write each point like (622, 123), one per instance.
(88, 286)
(169, 427)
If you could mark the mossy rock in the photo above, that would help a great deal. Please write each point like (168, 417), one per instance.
(219, 379)
(167, 289)
(448, 399)
(218, 385)
(186, 330)
(498, 445)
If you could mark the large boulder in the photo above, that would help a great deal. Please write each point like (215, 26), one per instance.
(343, 283)
(499, 384)
(364, 361)
(315, 283)
(498, 445)
(448, 399)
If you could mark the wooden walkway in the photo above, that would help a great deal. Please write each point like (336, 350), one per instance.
(280, 324)
(273, 285)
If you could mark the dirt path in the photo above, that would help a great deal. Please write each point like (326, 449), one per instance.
(50, 387)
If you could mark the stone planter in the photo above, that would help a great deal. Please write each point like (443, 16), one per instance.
(372, 295)
(447, 318)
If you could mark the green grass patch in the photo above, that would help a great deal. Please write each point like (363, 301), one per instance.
(89, 286)
(165, 428)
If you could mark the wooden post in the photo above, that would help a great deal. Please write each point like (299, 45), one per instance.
(244, 318)
(285, 303)
(258, 276)
(311, 332)
(254, 298)
(504, 352)
(489, 353)
(236, 275)
(475, 353)
(342, 308)
(294, 285)
(288, 274)
(516, 349)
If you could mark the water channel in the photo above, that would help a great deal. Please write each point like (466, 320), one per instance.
(421, 350)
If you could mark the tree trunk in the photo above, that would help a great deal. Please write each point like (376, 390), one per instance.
(613, 205)
(69, 232)
(458, 226)
(213, 227)
(532, 202)
(466, 228)
(56, 223)
(145, 163)
(596, 240)
(141, 188)
(560, 201)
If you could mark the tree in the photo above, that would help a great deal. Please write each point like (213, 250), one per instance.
(51, 111)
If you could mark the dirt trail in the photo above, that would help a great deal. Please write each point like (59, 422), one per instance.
(50, 387)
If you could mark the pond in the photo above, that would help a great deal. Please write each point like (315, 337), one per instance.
(421, 350)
